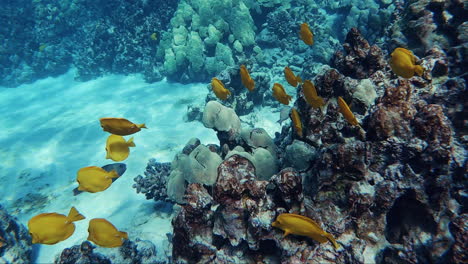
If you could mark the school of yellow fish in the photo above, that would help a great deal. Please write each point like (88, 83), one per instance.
(402, 63)
(51, 228)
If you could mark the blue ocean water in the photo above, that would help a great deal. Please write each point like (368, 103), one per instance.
(344, 140)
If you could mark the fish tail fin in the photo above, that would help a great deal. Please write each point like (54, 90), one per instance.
(418, 69)
(131, 143)
(299, 79)
(124, 235)
(142, 126)
(74, 215)
(113, 174)
(332, 240)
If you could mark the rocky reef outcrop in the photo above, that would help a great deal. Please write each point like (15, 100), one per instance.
(15, 241)
(131, 252)
(389, 190)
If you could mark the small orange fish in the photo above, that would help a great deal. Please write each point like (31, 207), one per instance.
(120, 126)
(291, 78)
(51, 228)
(247, 81)
(105, 234)
(280, 94)
(303, 226)
(117, 148)
(296, 119)
(310, 94)
(95, 179)
(347, 114)
(218, 88)
(306, 35)
(403, 63)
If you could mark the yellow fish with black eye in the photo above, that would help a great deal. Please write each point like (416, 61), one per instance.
(346, 112)
(303, 226)
(247, 81)
(120, 126)
(94, 179)
(311, 96)
(306, 35)
(218, 88)
(403, 63)
(51, 228)
(280, 94)
(296, 119)
(117, 148)
(291, 78)
(104, 234)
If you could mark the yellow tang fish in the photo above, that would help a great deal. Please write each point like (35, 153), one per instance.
(347, 114)
(120, 126)
(311, 96)
(403, 63)
(51, 228)
(103, 233)
(218, 88)
(94, 179)
(290, 77)
(303, 226)
(247, 81)
(306, 35)
(280, 94)
(117, 148)
(296, 119)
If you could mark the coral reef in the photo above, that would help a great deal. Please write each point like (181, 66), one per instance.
(389, 191)
(131, 252)
(15, 241)
(154, 183)
(95, 37)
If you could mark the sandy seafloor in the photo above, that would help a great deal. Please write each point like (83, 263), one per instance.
(50, 129)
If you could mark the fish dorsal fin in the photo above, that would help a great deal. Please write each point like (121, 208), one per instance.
(305, 218)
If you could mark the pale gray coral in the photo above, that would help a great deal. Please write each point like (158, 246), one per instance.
(221, 118)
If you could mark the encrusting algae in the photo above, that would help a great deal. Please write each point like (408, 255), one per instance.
(403, 63)
(303, 226)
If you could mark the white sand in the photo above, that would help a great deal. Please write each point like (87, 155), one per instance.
(50, 129)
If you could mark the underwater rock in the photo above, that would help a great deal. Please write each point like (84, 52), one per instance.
(15, 241)
(81, 254)
(300, 155)
(154, 183)
(359, 60)
(131, 252)
(237, 219)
